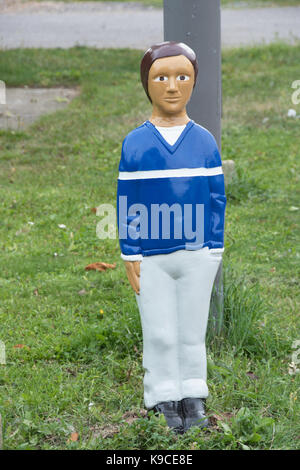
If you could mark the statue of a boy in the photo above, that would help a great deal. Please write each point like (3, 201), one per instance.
(171, 209)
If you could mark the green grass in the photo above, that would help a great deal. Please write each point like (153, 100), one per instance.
(65, 164)
(226, 3)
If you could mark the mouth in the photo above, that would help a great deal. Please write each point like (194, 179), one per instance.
(172, 100)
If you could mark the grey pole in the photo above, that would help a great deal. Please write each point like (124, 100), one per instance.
(198, 24)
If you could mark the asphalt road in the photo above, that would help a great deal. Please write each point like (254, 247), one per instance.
(58, 24)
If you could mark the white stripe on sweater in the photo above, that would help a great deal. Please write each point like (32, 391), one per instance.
(174, 173)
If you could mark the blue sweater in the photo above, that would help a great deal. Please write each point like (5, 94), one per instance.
(170, 197)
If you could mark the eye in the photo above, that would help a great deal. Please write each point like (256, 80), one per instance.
(161, 78)
(183, 78)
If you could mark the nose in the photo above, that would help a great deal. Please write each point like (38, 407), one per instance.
(172, 84)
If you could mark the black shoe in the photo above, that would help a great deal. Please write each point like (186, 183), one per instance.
(193, 413)
(172, 412)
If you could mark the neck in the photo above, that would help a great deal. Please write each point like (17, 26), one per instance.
(169, 121)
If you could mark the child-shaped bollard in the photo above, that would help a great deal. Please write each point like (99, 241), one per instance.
(171, 211)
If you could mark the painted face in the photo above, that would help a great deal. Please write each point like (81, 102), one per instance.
(170, 84)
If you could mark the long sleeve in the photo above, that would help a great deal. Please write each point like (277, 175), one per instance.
(127, 217)
(217, 202)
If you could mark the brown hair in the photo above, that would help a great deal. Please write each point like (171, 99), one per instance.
(165, 49)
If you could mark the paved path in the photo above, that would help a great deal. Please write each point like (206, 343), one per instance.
(58, 24)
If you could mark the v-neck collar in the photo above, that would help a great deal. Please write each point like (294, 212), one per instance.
(170, 148)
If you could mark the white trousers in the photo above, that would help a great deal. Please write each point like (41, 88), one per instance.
(174, 300)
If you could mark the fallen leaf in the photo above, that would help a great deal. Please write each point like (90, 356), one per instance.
(36, 292)
(130, 417)
(82, 292)
(252, 375)
(110, 429)
(94, 210)
(74, 437)
(105, 431)
(215, 418)
(71, 372)
(100, 266)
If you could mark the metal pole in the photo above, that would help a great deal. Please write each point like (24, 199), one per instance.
(198, 24)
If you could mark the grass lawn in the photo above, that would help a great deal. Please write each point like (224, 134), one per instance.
(226, 3)
(73, 377)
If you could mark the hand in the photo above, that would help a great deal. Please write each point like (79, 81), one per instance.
(133, 274)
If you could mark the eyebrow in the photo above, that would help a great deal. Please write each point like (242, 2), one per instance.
(165, 71)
